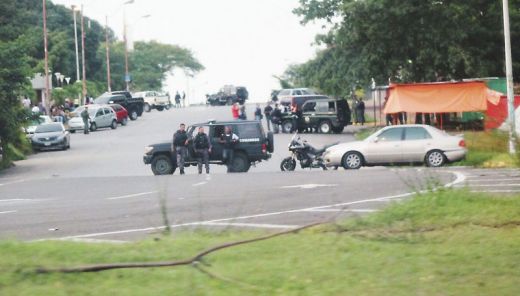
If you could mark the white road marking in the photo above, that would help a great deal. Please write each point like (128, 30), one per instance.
(309, 186)
(16, 199)
(132, 195)
(12, 182)
(460, 178)
(495, 191)
(252, 225)
(8, 212)
(490, 185)
(199, 184)
(344, 210)
(91, 240)
(493, 180)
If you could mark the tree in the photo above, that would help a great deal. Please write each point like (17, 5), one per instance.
(407, 41)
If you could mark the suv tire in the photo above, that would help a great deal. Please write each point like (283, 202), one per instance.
(287, 126)
(325, 127)
(133, 114)
(338, 130)
(147, 107)
(270, 142)
(160, 108)
(162, 165)
(240, 163)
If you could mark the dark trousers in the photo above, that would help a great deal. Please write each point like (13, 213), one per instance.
(202, 157)
(268, 118)
(227, 156)
(181, 156)
(85, 128)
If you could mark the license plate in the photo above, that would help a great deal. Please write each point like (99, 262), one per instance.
(47, 144)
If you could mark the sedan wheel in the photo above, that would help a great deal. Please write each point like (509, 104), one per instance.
(93, 127)
(352, 161)
(435, 159)
(124, 121)
(114, 124)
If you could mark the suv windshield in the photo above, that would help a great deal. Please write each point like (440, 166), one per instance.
(49, 128)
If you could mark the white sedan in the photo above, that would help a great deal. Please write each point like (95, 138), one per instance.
(398, 145)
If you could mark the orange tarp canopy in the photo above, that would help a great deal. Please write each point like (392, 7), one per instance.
(440, 97)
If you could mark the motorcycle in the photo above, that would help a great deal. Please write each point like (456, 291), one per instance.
(307, 155)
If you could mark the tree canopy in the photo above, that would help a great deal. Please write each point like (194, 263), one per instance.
(405, 41)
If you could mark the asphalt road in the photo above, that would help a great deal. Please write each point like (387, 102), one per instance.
(101, 190)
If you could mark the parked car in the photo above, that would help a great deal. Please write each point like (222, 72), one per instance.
(401, 144)
(289, 93)
(254, 146)
(121, 114)
(100, 116)
(134, 105)
(321, 115)
(228, 95)
(154, 100)
(50, 136)
(33, 124)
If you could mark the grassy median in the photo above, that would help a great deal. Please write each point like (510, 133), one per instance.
(442, 243)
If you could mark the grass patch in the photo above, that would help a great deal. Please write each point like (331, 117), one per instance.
(488, 150)
(447, 242)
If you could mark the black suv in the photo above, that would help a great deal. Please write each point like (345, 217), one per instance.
(321, 115)
(254, 146)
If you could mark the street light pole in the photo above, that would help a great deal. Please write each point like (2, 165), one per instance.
(47, 97)
(125, 40)
(84, 89)
(76, 42)
(509, 77)
(108, 54)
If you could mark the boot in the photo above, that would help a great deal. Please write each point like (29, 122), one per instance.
(182, 172)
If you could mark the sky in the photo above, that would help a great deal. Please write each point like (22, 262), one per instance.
(240, 42)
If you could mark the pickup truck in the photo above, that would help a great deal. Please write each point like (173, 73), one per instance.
(134, 105)
(229, 95)
(154, 100)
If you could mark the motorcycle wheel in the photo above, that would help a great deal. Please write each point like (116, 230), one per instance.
(288, 165)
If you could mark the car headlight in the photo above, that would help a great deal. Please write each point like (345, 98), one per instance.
(148, 150)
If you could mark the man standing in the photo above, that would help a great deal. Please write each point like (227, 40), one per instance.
(267, 112)
(258, 113)
(85, 117)
(228, 141)
(177, 100)
(276, 118)
(202, 147)
(179, 146)
(360, 111)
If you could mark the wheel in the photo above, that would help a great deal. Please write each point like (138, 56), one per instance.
(114, 124)
(435, 158)
(162, 165)
(133, 114)
(167, 107)
(240, 163)
(325, 127)
(72, 131)
(124, 121)
(352, 160)
(93, 127)
(288, 164)
(160, 108)
(147, 107)
(287, 126)
(338, 130)
(270, 142)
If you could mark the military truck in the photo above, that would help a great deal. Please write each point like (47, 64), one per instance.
(228, 95)
(318, 115)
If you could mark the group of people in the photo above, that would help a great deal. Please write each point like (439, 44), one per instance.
(58, 113)
(202, 147)
(178, 99)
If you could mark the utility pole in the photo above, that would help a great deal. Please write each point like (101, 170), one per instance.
(76, 41)
(84, 91)
(509, 77)
(127, 75)
(108, 54)
(46, 99)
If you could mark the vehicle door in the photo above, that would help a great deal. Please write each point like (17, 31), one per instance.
(386, 147)
(191, 133)
(110, 115)
(98, 119)
(417, 141)
(215, 135)
(308, 113)
(250, 138)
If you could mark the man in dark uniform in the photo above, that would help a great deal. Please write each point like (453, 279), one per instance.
(179, 146)
(267, 112)
(228, 141)
(202, 147)
(85, 117)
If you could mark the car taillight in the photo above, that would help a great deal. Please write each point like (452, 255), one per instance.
(264, 148)
(462, 143)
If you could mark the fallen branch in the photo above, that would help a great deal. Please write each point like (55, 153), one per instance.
(194, 260)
